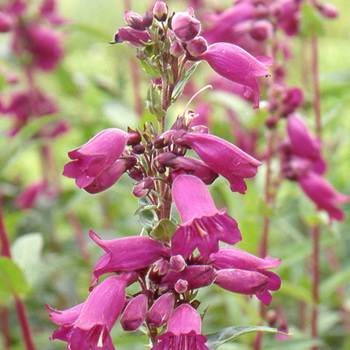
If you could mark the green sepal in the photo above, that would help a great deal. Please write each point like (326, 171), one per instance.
(147, 214)
(154, 101)
(164, 230)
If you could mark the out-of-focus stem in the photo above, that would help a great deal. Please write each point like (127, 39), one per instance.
(20, 308)
(315, 236)
(316, 84)
(136, 87)
(5, 328)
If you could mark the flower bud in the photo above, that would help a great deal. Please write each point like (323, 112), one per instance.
(159, 313)
(135, 313)
(176, 49)
(138, 149)
(5, 22)
(134, 20)
(328, 10)
(197, 46)
(181, 286)
(160, 11)
(135, 174)
(177, 263)
(185, 26)
(261, 30)
(143, 187)
(147, 19)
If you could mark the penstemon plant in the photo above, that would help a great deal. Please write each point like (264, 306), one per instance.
(168, 261)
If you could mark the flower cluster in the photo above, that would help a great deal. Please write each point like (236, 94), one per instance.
(175, 259)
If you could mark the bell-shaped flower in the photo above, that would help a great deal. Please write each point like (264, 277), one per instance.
(244, 273)
(126, 254)
(158, 315)
(134, 313)
(203, 226)
(97, 156)
(223, 157)
(87, 326)
(323, 194)
(237, 65)
(183, 331)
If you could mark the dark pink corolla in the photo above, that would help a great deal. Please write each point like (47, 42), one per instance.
(302, 162)
(126, 254)
(223, 157)
(237, 65)
(323, 194)
(87, 326)
(45, 46)
(241, 272)
(203, 226)
(133, 36)
(94, 164)
(183, 331)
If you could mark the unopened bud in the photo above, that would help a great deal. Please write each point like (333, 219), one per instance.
(181, 286)
(185, 26)
(143, 187)
(159, 313)
(261, 30)
(138, 149)
(147, 19)
(177, 263)
(160, 11)
(197, 46)
(134, 20)
(135, 313)
(176, 49)
(134, 137)
(5, 22)
(271, 122)
(328, 10)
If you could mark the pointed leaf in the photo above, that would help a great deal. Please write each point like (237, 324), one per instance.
(231, 333)
(164, 230)
(12, 281)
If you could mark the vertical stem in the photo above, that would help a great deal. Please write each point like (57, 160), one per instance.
(316, 85)
(315, 236)
(136, 87)
(5, 328)
(20, 307)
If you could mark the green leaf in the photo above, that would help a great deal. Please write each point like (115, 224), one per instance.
(231, 333)
(12, 281)
(18, 143)
(184, 80)
(26, 251)
(152, 70)
(164, 230)
(311, 21)
(147, 215)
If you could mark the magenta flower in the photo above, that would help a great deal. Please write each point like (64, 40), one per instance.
(237, 65)
(87, 326)
(185, 26)
(323, 194)
(94, 163)
(45, 45)
(158, 315)
(244, 273)
(288, 14)
(134, 37)
(183, 331)
(223, 157)
(126, 254)
(134, 313)
(203, 226)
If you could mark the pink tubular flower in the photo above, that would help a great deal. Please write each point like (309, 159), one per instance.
(184, 331)
(45, 45)
(244, 273)
(223, 157)
(237, 65)
(133, 36)
(96, 157)
(203, 226)
(134, 313)
(126, 254)
(87, 326)
(158, 315)
(323, 194)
